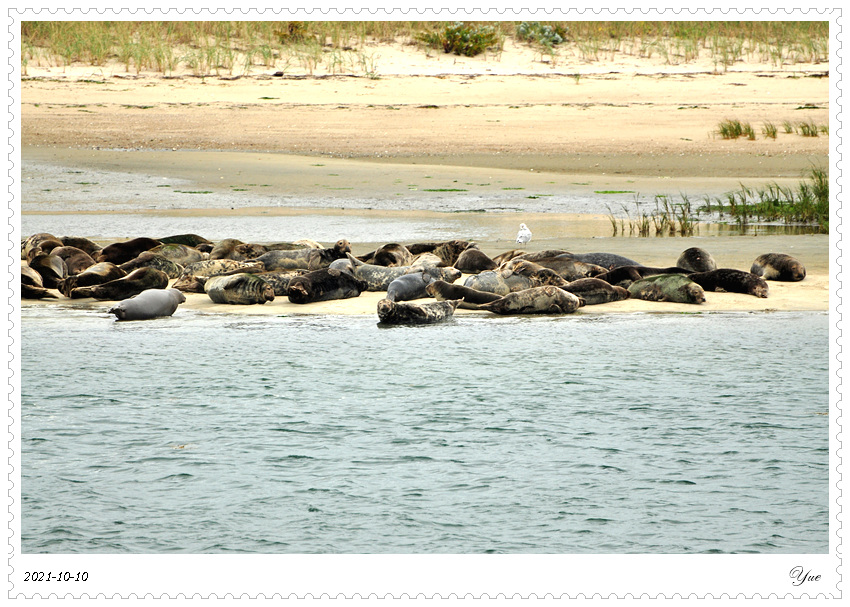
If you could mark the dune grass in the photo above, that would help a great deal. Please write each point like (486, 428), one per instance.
(239, 47)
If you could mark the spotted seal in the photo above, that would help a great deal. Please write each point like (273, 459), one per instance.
(407, 313)
(133, 283)
(674, 288)
(152, 303)
(239, 289)
(324, 285)
(194, 275)
(609, 261)
(537, 300)
(778, 266)
(35, 241)
(564, 264)
(731, 281)
(696, 260)
(595, 291)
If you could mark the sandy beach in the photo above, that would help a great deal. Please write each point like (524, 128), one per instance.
(568, 125)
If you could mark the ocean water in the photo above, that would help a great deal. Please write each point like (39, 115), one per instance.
(628, 433)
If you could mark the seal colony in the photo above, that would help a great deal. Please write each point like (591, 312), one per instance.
(417, 283)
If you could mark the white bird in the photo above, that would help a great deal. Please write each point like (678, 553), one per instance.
(524, 234)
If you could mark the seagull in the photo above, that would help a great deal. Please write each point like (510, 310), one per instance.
(524, 234)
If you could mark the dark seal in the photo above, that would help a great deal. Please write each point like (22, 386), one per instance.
(731, 281)
(122, 252)
(324, 285)
(778, 266)
(595, 291)
(696, 260)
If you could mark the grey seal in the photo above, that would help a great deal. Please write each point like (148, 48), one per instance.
(324, 285)
(778, 266)
(731, 281)
(153, 303)
(133, 283)
(97, 274)
(675, 288)
(121, 252)
(595, 291)
(500, 282)
(409, 286)
(407, 313)
(696, 260)
(537, 300)
(239, 289)
(149, 259)
(442, 290)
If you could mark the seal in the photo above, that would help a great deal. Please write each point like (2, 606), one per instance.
(500, 282)
(35, 241)
(539, 275)
(280, 280)
(537, 300)
(149, 259)
(448, 251)
(239, 289)
(778, 266)
(226, 249)
(194, 275)
(505, 257)
(409, 286)
(51, 267)
(121, 252)
(595, 291)
(626, 275)
(390, 255)
(674, 288)
(474, 261)
(32, 286)
(378, 278)
(189, 240)
(76, 260)
(470, 298)
(427, 260)
(564, 264)
(324, 285)
(178, 253)
(696, 260)
(97, 274)
(731, 281)
(609, 261)
(84, 244)
(304, 259)
(406, 313)
(153, 303)
(132, 284)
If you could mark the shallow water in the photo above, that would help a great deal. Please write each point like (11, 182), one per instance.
(616, 434)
